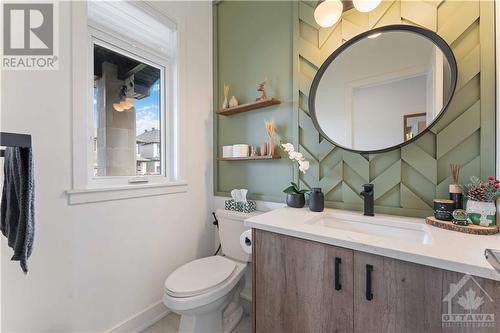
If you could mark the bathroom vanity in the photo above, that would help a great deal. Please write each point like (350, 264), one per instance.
(341, 271)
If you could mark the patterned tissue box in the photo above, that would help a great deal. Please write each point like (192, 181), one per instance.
(247, 207)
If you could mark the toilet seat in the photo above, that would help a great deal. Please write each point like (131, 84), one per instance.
(189, 303)
(199, 276)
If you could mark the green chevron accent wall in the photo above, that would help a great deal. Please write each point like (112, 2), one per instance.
(406, 180)
(254, 40)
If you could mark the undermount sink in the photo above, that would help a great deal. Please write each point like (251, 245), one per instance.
(393, 229)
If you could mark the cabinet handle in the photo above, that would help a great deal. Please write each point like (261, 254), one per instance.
(369, 292)
(338, 261)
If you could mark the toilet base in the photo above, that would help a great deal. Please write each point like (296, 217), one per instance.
(231, 319)
(215, 321)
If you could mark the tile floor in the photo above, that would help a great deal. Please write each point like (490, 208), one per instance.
(170, 324)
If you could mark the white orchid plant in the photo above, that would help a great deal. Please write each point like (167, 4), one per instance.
(303, 166)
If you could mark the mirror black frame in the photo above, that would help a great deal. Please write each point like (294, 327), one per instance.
(435, 38)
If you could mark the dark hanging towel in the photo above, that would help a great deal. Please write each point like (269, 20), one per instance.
(17, 207)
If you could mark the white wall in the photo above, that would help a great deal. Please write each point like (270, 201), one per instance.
(96, 265)
(383, 106)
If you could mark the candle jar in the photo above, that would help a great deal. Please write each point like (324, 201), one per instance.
(443, 209)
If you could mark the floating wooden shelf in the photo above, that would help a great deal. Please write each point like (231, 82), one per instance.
(470, 229)
(250, 158)
(248, 106)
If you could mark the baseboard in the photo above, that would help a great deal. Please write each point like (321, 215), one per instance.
(142, 320)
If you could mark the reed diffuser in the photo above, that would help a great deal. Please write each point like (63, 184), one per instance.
(270, 129)
(455, 189)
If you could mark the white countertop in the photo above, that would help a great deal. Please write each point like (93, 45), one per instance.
(444, 249)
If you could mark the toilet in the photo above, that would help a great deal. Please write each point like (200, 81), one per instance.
(206, 291)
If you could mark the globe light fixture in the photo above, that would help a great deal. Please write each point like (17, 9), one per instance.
(328, 12)
(365, 6)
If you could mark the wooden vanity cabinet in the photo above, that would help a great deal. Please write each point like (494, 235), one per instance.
(296, 290)
(404, 297)
(295, 285)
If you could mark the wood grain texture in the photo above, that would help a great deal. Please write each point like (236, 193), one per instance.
(294, 286)
(340, 317)
(248, 107)
(270, 282)
(249, 158)
(414, 295)
(370, 316)
(304, 262)
(470, 229)
(487, 290)
(294, 291)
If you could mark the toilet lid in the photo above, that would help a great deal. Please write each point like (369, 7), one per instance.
(199, 276)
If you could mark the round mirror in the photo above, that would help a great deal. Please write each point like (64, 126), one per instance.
(383, 88)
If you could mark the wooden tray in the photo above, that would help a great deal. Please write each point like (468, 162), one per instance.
(470, 229)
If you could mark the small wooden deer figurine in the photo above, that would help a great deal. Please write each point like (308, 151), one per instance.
(262, 89)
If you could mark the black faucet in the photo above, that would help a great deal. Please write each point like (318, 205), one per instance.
(367, 195)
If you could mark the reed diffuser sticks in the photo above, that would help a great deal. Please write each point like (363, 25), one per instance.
(455, 173)
(270, 129)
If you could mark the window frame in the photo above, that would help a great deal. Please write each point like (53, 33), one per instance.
(103, 39)
(84, 182)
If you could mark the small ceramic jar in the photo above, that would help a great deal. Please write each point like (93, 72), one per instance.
(316, 200)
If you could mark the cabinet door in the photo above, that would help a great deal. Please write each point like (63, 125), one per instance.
(370, 294)
(269, 282)
(414, 294)
(294, 283)
(405, 297)
(338, 290)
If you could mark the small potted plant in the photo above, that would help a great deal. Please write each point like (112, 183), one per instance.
(481, 209)
(294, 195)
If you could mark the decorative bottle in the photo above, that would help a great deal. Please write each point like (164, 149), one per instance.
(316, 200)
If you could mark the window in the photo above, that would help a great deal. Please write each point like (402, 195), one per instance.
(124, 100)
(132, 81)
(127, 113)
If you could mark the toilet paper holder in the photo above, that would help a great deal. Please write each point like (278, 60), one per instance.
(246, 241)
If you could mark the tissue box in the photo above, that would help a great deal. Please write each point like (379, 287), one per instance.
(247, 207)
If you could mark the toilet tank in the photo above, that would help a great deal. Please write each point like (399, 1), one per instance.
(231, 226)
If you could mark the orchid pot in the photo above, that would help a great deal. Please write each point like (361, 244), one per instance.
(295, 196)
(295, 200)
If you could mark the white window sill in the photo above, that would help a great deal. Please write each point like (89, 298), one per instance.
(89, 195)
